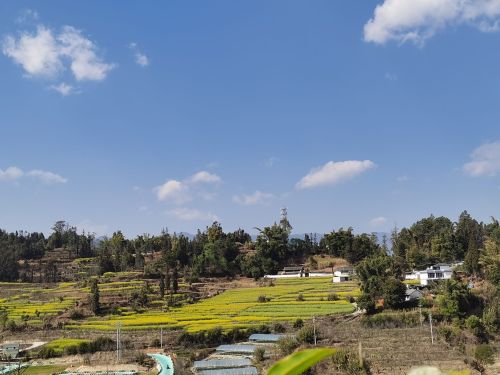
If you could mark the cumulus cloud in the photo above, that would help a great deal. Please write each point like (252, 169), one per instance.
(173, 190)
(485, 160)
(11, 174)
(204, 177)
(46, 177)
(252, 199)
(64, 89)
(47, 54)
(191, 214)
(334, 172)
(417, 20)
(140, 58)
(180, 192)
(378, 222)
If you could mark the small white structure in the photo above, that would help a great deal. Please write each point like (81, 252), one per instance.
(342, 275)
(9, 350)
(440, 271)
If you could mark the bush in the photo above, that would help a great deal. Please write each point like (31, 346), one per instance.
(287, 345)
(76, 314)
(262, 299)
(347, 361)
(259, 354)
(279, 328)
(332, 297)
(156, 343)
(306, 335)
(299, 323)
(300, 297)
(399, 320)
(365, 302)
(485, 354)
(46, 353)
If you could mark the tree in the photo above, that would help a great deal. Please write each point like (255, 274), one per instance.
(175, 280)
(162, 286)
(95, 306)
(490, 258)
(455, 300)
(394, 293)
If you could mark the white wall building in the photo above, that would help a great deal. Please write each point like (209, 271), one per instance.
(342, 275)
(440, 271)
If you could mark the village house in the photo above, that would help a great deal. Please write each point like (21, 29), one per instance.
(342, 275)
(440, 271)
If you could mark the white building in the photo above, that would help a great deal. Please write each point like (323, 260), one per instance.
(343, 274)
(413, 294)
(9, 351)
(440, 271)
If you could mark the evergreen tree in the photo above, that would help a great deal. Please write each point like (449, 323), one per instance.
(94, 302)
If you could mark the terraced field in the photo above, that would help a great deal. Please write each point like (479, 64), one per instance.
(240, 307)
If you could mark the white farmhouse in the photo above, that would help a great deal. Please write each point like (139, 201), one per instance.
(343, 274)
(440, 271)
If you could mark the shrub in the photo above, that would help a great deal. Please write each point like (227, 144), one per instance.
(286, 345)
(365, 302)
(259, 354)
(306, 335)
(332, 297)
(47, 352)
(279, 328)
(300, 297)
(76, 314)
(485, 354)
(264, 328)
(262, 299)
(299, 323)
(348, 362)
(156, 343)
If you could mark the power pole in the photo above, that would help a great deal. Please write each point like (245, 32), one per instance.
(314, 330)
(432, 332)
(118, 343)
(161, 337)
(420, 313)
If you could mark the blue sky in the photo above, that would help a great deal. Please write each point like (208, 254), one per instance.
(143, 115)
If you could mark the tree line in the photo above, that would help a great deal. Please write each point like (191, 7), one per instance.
(215, 253)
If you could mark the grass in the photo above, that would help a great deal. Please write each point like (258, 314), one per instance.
(59, 345)
(43, 370)
(240, 308)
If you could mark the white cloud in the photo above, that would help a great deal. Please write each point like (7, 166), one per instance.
(174, 191)
(271, 162)
(253, 199)
(11, 174)
(418, 20)
(38, 53)
(204, 177)
(334, 172)
(378, 222)
(46, 177)
(63, 88)
(47, 54)
(191, 214)
(485, 160)
(180, 192)
(402, 179)
(140, 58)
(27, 15)
(85, 64)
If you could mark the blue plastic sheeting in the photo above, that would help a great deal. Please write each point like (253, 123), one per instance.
(262, 337)
(240, 349)
(221, 363)
(231, 371)
(165, 362)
